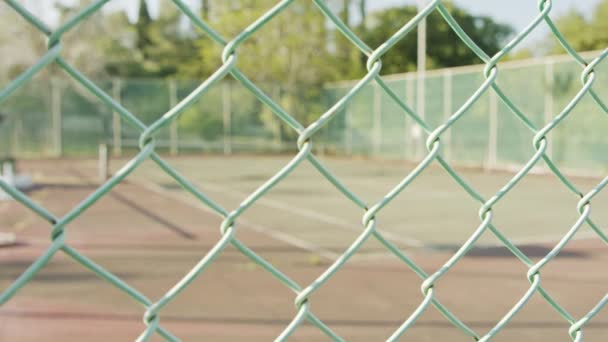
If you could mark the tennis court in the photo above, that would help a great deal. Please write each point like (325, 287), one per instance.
(148, 231)
(433, 212)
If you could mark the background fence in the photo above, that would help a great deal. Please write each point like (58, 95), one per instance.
(52, 119)
(56, 119)
(490, 136)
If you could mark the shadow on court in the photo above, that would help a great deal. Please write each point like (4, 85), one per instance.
(531, 250)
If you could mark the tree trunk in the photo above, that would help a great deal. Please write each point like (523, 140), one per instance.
(205, 9)
(363, 14)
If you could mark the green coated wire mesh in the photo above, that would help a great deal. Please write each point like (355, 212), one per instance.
(434, 129)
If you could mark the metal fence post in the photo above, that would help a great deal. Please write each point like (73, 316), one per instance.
(173, 133)
(410, 140)
(420, 92)
(227, 118)
(116, 123)
(348, 132)
(56, 118)
(377, 124)
(548, 115)
(278, 143)
(447, 112)
(493, 131)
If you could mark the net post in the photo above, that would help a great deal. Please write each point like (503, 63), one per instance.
(7, 172)
(56, 118)
(226, 116)
(103, 166)
(17, 132)
(548, 105)
(377, 124)
(116, 124)
(493, 132)
(447, 112)
(173, 128)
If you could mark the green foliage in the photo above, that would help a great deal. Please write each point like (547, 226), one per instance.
(290, 54)
(583, 33)
(204, 124)
(149, 48)
(444, 48)
(150, 97)
(521, 53)
(577, 31)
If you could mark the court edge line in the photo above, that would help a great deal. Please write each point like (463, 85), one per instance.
(273, 233)
(312, 214)
(342, 224)
(281, 236)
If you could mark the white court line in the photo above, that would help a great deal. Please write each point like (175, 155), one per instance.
(315, 215)
(340, 223)
(345, 225)
(273, 233)
(553, 238)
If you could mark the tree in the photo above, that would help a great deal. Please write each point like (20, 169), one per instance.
(148, 48)
(288, 57)
(21, 44)
(444, 48)
(582, 33)
(345, 48)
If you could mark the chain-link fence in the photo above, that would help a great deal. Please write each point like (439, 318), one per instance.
(437, 132)
(491, 137)
(228, 119)
(57, 119)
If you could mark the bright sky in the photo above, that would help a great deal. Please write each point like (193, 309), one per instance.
(517, 13)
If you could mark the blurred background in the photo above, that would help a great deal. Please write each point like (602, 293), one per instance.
(148, 56)
(148, 231)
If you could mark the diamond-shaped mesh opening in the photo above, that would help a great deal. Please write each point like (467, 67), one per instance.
(149, 127)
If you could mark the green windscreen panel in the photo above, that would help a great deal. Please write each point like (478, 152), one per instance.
(526, 87)
(28, 114)
(85, 123)
(200, 127)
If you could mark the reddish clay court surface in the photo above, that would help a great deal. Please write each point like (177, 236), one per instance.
(150, 241)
